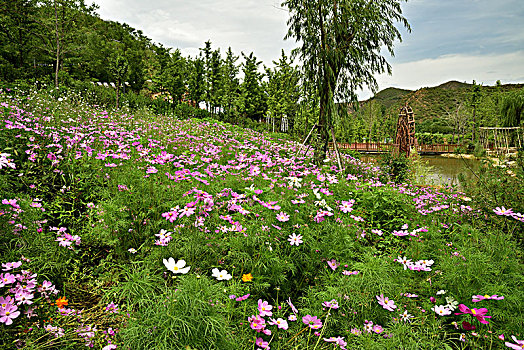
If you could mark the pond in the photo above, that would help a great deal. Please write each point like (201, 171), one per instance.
(438, 170)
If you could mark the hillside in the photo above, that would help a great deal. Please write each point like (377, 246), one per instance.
(435, 102)
(434, 107)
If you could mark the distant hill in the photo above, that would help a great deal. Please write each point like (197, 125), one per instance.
(436, 102)
(439, 110)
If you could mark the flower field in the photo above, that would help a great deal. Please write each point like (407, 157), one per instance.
(136, 231)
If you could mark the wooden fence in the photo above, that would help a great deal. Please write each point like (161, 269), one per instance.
(378, 147)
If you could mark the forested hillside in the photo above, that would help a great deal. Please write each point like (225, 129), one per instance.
(440, 112)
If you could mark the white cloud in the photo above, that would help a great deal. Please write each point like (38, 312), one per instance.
(485, 69)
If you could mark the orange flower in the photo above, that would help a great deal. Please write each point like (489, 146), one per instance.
(247, 278)
(61, 302)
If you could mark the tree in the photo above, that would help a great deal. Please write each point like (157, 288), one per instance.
(340, 48)
(63, 28)
(282, 91)
(252, 99)
(512, 108)
(474, 102)
(171, 76)
(196, 82)
(230, 83)
(207, 73)
(119, 67)
(17, 25)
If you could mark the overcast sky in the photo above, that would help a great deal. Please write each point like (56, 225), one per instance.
(450, 40)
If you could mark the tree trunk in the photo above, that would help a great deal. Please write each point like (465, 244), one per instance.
(57, 46)
(117, 94)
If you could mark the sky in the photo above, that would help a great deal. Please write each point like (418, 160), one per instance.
(461, 40)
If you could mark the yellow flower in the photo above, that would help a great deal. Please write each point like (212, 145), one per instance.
(247, 277)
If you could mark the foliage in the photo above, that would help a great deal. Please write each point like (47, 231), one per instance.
(397, 165)
(340, 48)
(512, 108)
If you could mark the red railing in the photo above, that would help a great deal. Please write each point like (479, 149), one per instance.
(378, 147)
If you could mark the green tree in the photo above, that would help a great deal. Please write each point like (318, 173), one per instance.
(63, 25)
(171, 76)
(230, 83)
(282, 91)
(512, 108)
(475, 99)
(119, 67)
(215, 80)
(207, 73)
(340, 48)
(252, 99)
(196, 83)
(17, 26)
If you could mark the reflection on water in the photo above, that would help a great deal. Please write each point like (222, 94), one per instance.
(439, 170)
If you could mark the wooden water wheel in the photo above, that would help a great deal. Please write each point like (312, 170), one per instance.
(405, 130)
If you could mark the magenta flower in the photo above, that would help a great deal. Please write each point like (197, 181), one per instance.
(282, 217)
(264, 308)
(479, 314)
(386, 303)
(312, 321)
(257, 323)
(112, 308)
(333, 304)
(333, 264)
(6, 278)
(477, 298)
(8, 313)
(518, 346)
(261, 343)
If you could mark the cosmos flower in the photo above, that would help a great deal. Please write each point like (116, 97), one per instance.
(441, 310)
(477, 298)
(176, 267)
(295, 239)
(221, 275)
(386, 303)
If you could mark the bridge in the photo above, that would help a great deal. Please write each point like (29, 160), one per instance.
(379, 147)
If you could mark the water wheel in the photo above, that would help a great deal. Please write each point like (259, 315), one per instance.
(405, 130)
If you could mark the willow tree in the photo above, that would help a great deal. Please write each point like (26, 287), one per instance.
(513, 108)
(340, 49)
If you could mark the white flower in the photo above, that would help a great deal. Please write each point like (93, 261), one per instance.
(441, 310)
(442, 291)
(221, 275)
(132, 251)
(176, 267)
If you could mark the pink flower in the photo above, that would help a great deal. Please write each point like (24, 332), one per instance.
(257, 323)
(503, 211)
(293, 308)
(8, 313)
(441, 310)
(386, 303)
(263, 344)
(479, 314)
(518, 346)
(477, 298)
(333, 304)
(333, 264)
(264, 308)
(312, 321)
(282, 217)
(281, 323)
